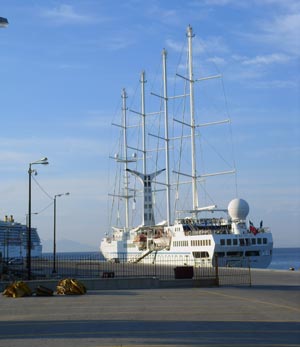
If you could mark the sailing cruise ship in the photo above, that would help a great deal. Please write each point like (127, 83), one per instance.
(195, 235)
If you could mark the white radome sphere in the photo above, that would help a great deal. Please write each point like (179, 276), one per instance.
(238, 209)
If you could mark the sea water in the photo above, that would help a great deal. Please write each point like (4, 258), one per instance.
(285, 258)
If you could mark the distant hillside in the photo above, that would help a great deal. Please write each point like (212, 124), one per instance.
(67, 246)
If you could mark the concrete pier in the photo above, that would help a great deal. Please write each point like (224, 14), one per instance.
(265, 314)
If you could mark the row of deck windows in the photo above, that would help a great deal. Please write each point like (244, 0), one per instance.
(180, 243)
(201, 243)
(193, 243)
(243, 242)
(238, 254)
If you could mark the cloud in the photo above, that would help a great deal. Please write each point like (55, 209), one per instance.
(119, 42)
(174, 46)
(65, 14)
(68, 66)
(278, 84)
(275, 58)
(213, 44)
(16, 153)
(283, 30)
(254, 68)
(168, 16)
(217, 60)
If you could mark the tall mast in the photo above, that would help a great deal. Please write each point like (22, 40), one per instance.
(192, 115)
(164, 56)
(143, 113)
(145, 178)
(125, 156)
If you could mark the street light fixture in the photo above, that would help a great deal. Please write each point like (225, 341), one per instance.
(43, 161)
(3, 22)
(54, 231)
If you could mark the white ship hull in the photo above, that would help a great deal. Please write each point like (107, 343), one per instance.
(226, 250)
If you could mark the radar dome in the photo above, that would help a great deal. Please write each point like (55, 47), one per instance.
(238, 209)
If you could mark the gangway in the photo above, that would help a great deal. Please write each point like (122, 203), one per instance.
(139, 258)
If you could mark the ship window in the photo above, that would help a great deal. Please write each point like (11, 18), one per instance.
(222, 242)
(220, 254)
(235, 242)
(253, 241)
(200, 254)
(234, 254)
(242, 242)
(264, 241)
(259, 241)
(228, 242)
(252, 253)
(180, 243)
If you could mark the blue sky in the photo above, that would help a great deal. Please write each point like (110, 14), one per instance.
(63, 65)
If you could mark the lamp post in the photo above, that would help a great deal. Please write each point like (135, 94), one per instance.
(43, 161)
(54, 231)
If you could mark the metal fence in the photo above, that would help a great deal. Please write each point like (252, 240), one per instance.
(93, 266)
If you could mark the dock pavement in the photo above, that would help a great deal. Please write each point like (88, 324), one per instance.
(267, 313)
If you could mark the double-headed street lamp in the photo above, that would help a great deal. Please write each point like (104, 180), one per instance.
(43, 161)
(54, 231)
(3, 22)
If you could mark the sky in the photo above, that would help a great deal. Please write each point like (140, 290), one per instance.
(63, 65)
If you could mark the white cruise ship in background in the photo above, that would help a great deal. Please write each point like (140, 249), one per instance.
(193, 235)
(13, 240)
